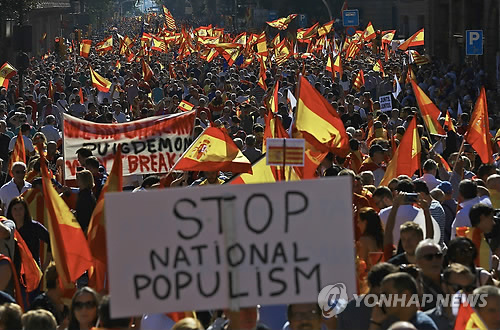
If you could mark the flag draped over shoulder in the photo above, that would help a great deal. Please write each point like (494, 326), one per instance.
(96, 235)
(319, 123)
(19, 152)
(478, 134)
(67, 240)
(406, 159)
(214, 150)
(99, 82)
(430, 113)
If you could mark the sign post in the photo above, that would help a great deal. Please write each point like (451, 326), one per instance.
(474, 42)
(229, 246)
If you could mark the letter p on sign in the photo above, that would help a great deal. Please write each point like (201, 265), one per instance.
(474, 42)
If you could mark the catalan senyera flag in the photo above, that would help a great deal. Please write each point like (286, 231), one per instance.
(478, 134)
(169, 18)
(369, 32)
(273, 130)
(19, 152)
(7, 71)
(430, 113)
(99, 82)
(106, 45)
(67, 240)
(282, 23)
(448, 122)
(419, 59)
(359, 81)
(319, 123)
(406, 159)
(415, 40)
(468, 319)
(96, 234)
(185, 106)
(262, 173)
(214, 150)
(147, 73)
(85, 45)
(325, 29)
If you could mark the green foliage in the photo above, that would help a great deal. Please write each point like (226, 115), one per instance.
(17, 9)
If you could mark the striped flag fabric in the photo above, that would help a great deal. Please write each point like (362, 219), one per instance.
(430, 113)
(478, 134)
(214, 150)
(7, 71)
(185, 106)
(415, 40)
(99, 82)
(262, 173)
(169, 18)
(448, 122)
(359, 81)
(85, 45)
(19, 152)
(282, 23)
(105, 46)
(147, 73)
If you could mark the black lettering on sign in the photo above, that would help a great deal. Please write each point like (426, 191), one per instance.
(279, 252)
(90, 145)
(164, 143)
(301, 199)
(277, 280)
(219, 200)
(151, 145)
(270, 213)
(261, 254)
(139, 146)
(153, 255)
(125, 148)
(182, 280)
(141, 282)
(297, 272)
(199, 249)
(178, 144)
(180, 256)
(214, 290)
(232, 293)
(161, 287)
(233, 257)
(180, 216)
(296, 257)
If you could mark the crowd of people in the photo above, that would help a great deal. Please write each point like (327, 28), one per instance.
(431, 232)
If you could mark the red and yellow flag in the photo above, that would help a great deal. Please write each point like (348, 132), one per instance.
(360, 80)
(169, 18)
(319, 122)
(96, 235)
(468, 319)
(185, 106)
(282, 23)
(262, 44)
(85, 45)
(430, 113)
(99, 82)
(80, 94)
(478, 134)
(379, 67)
(67, 240)
(262, 173)
(415, 40)
(262, 75)
(214, 150)
(406, 159)
(147, 73)
(105, 46)
(325, 29)
(19, 152)
(7, 71)
(51, 90)
(369, 32)
(448, 122)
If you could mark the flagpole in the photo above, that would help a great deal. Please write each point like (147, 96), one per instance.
(459, 154)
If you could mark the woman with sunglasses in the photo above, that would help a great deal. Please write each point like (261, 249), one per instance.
(83, 311)
(463, 251)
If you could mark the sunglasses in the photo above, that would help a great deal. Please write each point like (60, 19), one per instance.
(84, 304)
(458, 287)
(429, 257)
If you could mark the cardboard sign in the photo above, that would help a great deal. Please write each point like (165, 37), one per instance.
(150, 145)
(385, 103)
(228, 246)
(287, 151)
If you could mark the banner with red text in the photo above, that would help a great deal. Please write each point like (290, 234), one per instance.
(150, 145)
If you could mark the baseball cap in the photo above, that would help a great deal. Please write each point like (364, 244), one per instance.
(445, 187)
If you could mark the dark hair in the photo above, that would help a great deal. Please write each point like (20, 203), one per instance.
(10, 316)
(15, 201)
(468, 189)
(378, 272)
(382, 192)
(150, 180)
(92, 162)
(84, 152)
(454, 249)
(421, 186)
(484, 169)
(405, 186)
(354, 144)
(25, 128)
(73, 322)
(401, 282)
(289, 311)
(105, 316)
(477, 211)
(373, 225)
(430, 165)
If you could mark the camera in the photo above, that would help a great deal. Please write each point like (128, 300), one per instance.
(411, 197)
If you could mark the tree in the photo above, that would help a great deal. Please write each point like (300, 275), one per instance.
(17, 10)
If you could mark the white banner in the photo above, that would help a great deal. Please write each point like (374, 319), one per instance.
(228, 246)
(150, 145)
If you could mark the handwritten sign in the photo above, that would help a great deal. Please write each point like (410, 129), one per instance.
(385, 103)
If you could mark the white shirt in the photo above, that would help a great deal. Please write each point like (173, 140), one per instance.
(462, 219)
(9, 191)
(120, 118)
(28, 144)
(430, 180)
(51, 133)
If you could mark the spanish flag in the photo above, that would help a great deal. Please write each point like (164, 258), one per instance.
(360, 80)
(85, 47)
(67, 240)
(448, 122)
(273, 99)
(262, 75)
(99, 82)
(379, 67)
(319, 123)
(19, 152)
(478, 134)
(214, 150)
(96, 235)
(282, 23)
(430, 113)
(406, 159)
(325, 29)
(7, 71)
(147, 73)
(262, 44)
(369, 32)
(415, 40)
(468, 319)
(185, 106)
(106, 45)
(262, 173)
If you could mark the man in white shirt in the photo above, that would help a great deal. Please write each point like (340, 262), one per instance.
(28, 144)
(50, 132)
(467, 198)
(14, 187)
(430, 170)
(118, 115)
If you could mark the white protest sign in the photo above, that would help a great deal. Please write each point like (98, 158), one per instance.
(385, 103)
(228, 246)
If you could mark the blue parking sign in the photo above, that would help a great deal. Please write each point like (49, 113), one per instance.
(350, 17)
(474, 42)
